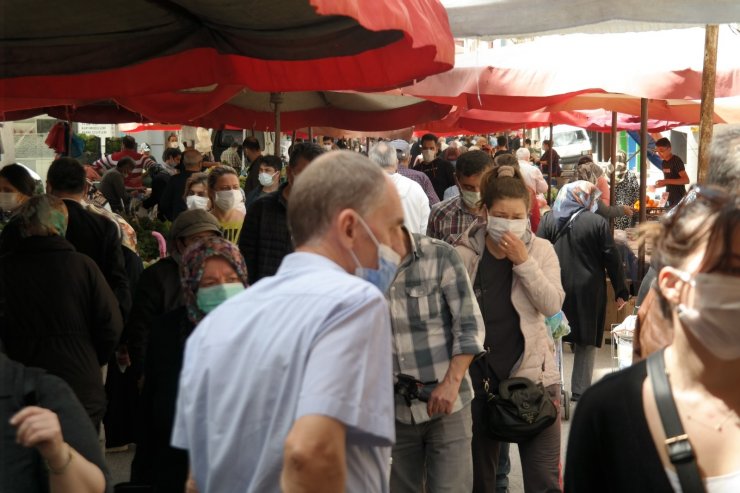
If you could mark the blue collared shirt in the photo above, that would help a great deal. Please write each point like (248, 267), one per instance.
(311, 340)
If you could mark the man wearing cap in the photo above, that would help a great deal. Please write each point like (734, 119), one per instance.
(403, 153)
(414, 201)
(451, 218)
(158, 290)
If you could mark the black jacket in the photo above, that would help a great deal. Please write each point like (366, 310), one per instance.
(156, 462)
(610, 449)
(265, 240)
(58, 313)
(159, 185)
(97, 237)
(22, 469)
(158, 292)
(172, 202)
(440, 172)
(586, 252)
(93, 235)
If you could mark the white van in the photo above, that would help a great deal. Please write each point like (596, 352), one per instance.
(569, 142)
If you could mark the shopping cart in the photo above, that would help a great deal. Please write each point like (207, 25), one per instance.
(564, 394)
(559, 328)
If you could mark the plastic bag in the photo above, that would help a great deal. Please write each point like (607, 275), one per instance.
(558, 325)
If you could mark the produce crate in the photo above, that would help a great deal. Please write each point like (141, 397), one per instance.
(655, 213)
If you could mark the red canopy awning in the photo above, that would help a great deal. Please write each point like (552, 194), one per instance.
(219, 107)
(106, 49)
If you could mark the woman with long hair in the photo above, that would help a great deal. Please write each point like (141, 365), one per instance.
(227, 200)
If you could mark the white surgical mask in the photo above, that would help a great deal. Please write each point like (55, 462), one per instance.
(266, 179)
(8, 201)
(470, 199)
(174, 145)
(497, 226)
(327, 147)
(428, 155)
(713, 319)
(197, 202)
(228, 199)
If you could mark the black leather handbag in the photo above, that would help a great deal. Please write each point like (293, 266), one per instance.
(520, 410)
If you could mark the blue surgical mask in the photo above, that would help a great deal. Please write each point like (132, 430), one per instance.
(210, 298)
(388, 261)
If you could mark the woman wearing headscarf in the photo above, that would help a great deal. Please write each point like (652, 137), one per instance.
(589, 171)
(57, 311)
(586, 249)
(212, 271)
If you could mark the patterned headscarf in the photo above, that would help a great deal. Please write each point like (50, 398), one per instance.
(574, 197)
(193, 264)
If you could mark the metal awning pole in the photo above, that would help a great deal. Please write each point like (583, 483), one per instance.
(613, 176)
(643, 183)
(549, 172)
(709, 77)
(276, 98)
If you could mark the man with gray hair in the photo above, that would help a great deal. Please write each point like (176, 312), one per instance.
(724, 158)
(311, 345)
(413, 199)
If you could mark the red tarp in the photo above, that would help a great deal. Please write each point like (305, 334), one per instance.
(100, 50)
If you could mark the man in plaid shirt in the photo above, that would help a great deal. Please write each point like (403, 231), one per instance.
(230, 157)
(437, 331)
(449, 219)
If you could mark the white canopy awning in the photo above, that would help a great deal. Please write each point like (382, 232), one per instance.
(515, 18)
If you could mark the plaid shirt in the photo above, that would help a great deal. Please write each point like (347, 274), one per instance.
(434, 317)
(422, 180)
(230, 157)
(448, 220)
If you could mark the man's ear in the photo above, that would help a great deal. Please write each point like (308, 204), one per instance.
(671, 284)
(48, 188)
(346, 224)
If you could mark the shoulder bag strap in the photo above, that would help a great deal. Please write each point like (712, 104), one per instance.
(677, 441)
(566, 226)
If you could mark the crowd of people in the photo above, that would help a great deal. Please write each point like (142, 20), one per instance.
(350, 322)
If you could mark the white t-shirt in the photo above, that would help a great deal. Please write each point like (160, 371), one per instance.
(415, 203)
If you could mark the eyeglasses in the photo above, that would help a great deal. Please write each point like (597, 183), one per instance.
(716, 197)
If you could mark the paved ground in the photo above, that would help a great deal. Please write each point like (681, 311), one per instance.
(120, 462)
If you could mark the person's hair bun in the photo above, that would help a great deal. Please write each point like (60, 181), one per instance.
(506, 171)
